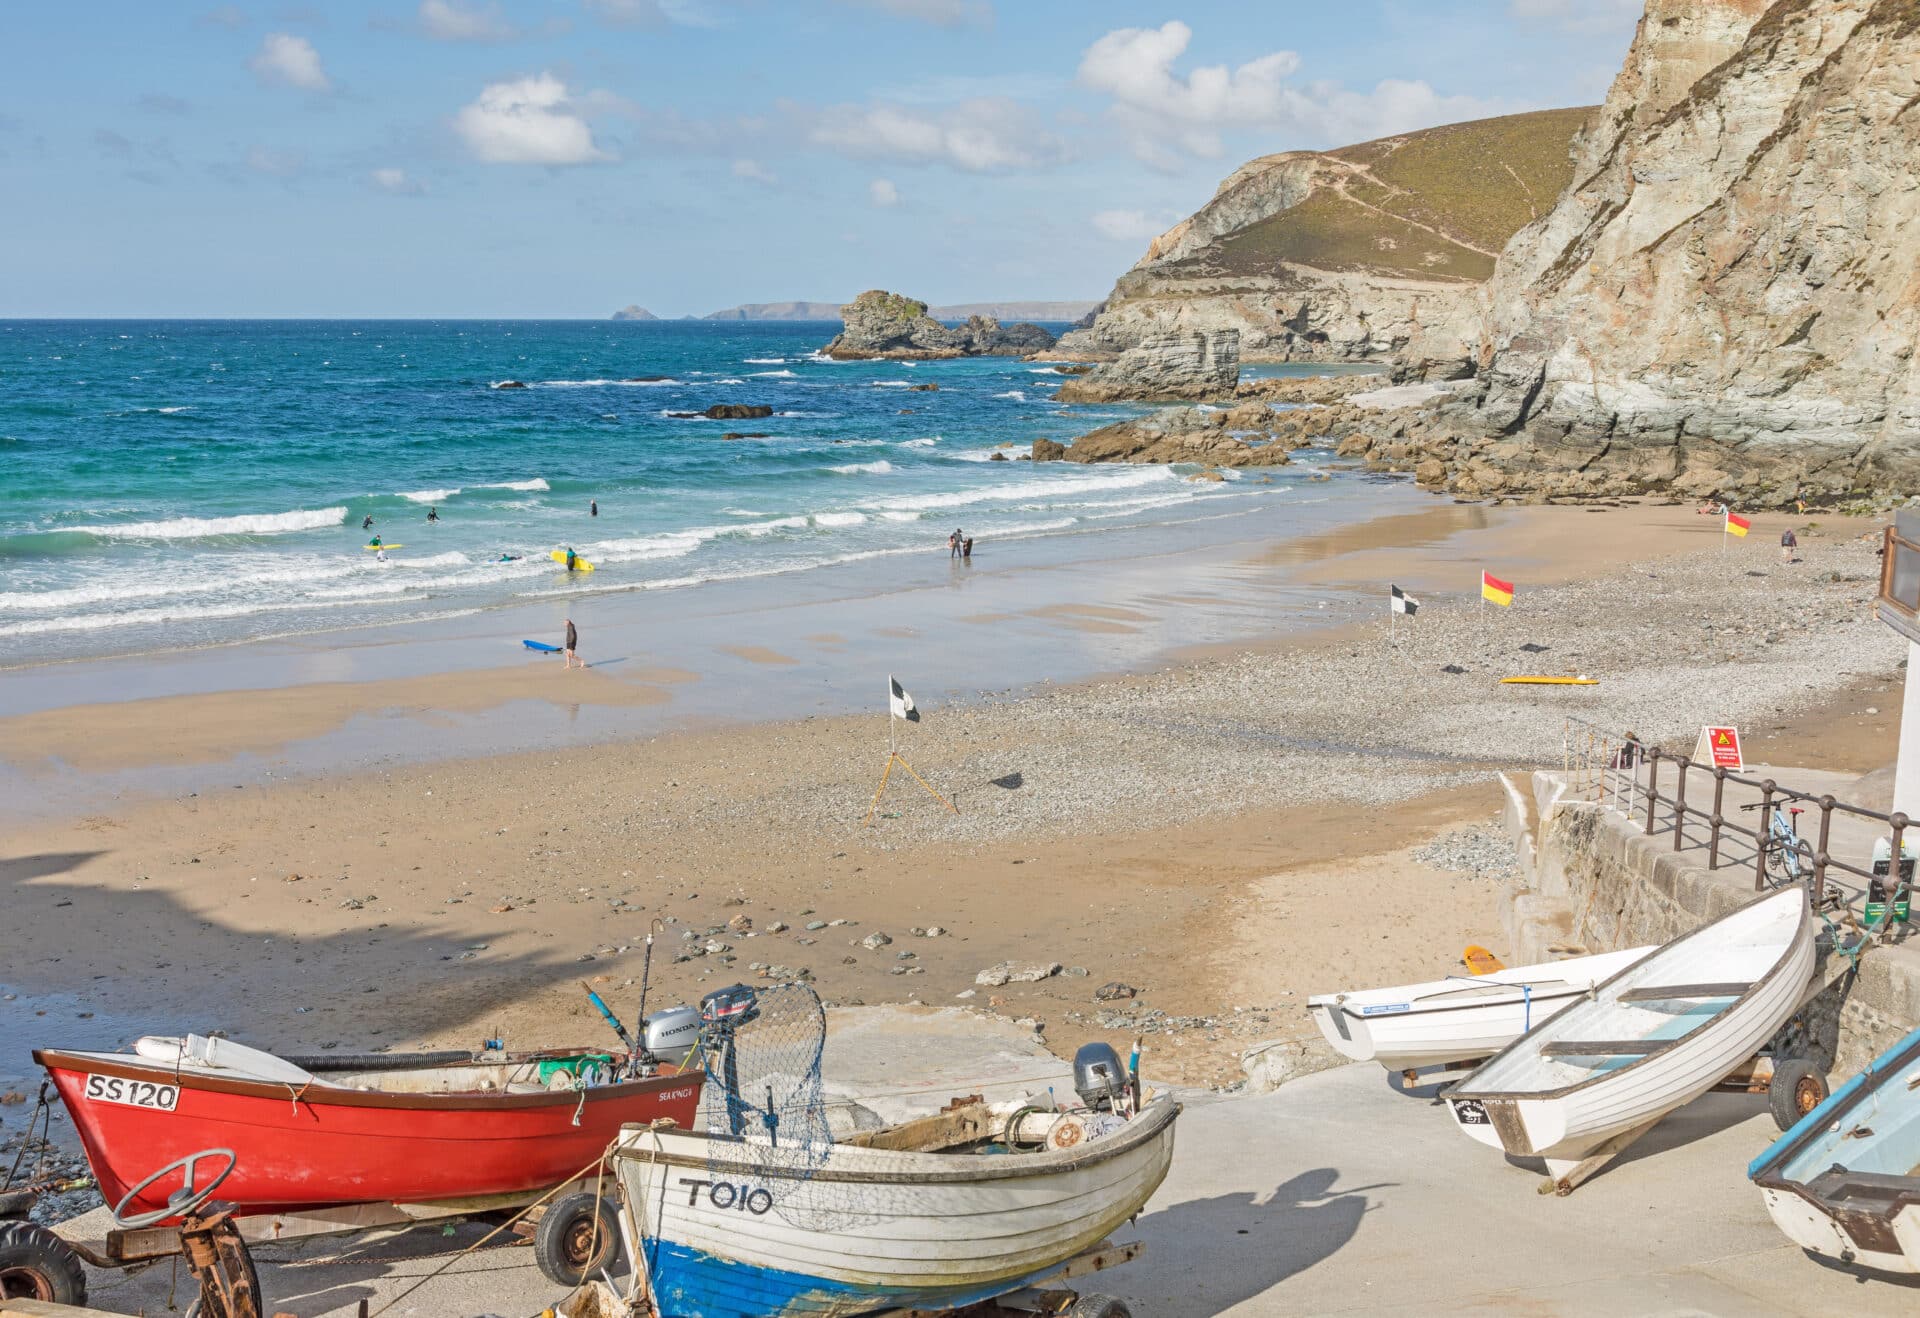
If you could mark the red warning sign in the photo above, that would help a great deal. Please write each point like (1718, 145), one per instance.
(1719, 747)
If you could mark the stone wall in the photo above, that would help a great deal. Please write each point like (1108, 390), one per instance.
(1593, 878)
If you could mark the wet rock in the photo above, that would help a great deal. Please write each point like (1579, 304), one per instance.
(874, 941)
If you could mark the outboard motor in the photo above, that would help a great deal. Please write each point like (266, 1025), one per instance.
(672, 1033)
(1098, 1077)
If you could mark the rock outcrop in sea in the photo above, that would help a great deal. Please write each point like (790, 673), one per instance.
(1726, 302)
(882, 324)
(1194, 365)
(1341, 255)
(634, 311)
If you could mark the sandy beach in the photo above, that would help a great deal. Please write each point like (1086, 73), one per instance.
(1223, 832)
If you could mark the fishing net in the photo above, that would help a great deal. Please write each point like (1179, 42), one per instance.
(763, 1107)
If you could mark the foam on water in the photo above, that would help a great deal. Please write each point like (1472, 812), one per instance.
(862, 468)
(201, 528)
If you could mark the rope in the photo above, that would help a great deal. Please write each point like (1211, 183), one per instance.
(599, 1161)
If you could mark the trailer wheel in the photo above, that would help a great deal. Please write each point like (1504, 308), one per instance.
(35, 1264)
(1099, 1306)
(1797, 1088)
(567, 1246)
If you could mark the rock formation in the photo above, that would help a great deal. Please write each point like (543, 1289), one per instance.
(882, 324)
(1727, 299)
(727, 412)
(1191, 364)
(1342, 255)
(633, 311)
(1057, 311)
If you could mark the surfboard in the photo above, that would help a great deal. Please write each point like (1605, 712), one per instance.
(542, 647)
(579, 564)
(374, 549)
(1480, 961)
(1550, 681)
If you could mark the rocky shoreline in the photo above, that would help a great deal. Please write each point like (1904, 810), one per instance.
(879, 324)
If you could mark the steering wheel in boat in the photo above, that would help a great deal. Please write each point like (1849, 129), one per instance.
(186, 1199)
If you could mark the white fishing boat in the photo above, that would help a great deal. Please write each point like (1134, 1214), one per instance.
(1459, 1019)
(935, 1214)
(1845, 1182)
(1577, 1089)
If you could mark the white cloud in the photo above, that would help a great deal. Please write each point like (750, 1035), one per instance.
(883, 193)
(988, 135)
(280, 164)
(527, 121)
(290, 60)
(941, 13)
(1164, 113)
(1129, 226)
(754, 171)
(396, 181)
(457, 20)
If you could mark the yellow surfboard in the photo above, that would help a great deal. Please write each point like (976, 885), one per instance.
(579, 564)
(376, 548)
(1550, 681)
(1480, 961)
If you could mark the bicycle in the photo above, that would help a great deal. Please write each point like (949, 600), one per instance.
(1789, 856)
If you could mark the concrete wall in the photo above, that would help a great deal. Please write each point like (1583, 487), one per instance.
(1591, 879)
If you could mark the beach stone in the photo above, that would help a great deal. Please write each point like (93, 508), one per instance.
(1270, 1065)
(813, 925)
(935, 931)
(778, 927)
(740, 924)
(1008, 972)
(1076, 972)
(1114, 991)
(874, 941)
(716, 948)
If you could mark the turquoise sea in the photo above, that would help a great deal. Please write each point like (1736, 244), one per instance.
(170, 484)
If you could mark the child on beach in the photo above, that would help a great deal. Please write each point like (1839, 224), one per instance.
(572, 644)
(1788, 543)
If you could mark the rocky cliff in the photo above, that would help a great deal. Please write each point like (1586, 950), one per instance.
(1342, 255)
(882, 324)
(1196, 365)
(1727, 298)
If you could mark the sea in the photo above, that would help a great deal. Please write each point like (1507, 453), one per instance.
(167, 485)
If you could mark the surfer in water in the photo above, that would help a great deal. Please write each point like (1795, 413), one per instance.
(374, 543)
(573, 560)
(366, 523)
(573, 644)
(593, 507)
(433, 514)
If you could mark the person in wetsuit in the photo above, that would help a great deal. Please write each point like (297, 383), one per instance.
(573, 644)
(573, 560)
(366, 523)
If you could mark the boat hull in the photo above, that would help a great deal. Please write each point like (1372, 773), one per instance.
(873, 1229)
(320, 1146)
(1420, 1025)
(1569, 1123)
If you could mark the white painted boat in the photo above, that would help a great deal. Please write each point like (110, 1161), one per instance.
(916, 1217)
(1844, 1183)
(1462, 1018)
(1583, 1085)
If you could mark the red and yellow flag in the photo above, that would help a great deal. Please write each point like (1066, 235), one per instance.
(1737, 525)
(1492, 588)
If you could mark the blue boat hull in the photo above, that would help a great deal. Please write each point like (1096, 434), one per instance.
(690, 1283)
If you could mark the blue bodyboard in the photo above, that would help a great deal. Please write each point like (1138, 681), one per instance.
(541, 646)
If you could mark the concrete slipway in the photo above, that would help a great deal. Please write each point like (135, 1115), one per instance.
(1336, 1194)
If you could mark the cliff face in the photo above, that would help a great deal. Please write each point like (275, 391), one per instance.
(1727, 298)
(1342, 255)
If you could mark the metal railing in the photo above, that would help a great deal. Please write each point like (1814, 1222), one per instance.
(1773, 797)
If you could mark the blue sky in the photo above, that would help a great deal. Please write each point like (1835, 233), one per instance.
(476, 158)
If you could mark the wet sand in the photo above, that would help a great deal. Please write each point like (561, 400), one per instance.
(438, 903)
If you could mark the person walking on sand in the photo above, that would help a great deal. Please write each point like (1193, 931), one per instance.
(953, 543)
(593, 507)
(572, 645)
(1788, 543)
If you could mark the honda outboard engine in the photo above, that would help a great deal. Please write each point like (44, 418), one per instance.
(1098, 1076)
(671, 1034)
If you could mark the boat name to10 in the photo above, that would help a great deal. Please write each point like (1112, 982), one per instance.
(756, 1199)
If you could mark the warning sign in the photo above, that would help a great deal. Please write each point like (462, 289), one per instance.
(1719, 747)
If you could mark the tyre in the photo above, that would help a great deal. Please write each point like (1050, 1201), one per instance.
(1797, 1088)
(1099, 1306)
(35, 1264)
(567, 1246)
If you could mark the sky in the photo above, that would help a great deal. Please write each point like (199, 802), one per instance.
(565, 158)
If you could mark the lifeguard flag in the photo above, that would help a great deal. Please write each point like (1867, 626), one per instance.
(1492, 588)
(1737, 525)
(1401, 602)
(899, 703)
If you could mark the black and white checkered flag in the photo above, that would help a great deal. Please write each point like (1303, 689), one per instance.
(1403, 602)
(899, 702)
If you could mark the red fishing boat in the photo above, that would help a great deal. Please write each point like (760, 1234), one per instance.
(318, 1133)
